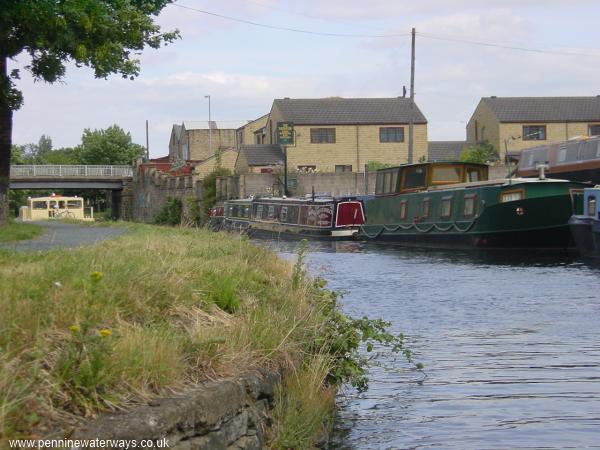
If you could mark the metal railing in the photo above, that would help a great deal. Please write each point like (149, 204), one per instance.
(71, 171)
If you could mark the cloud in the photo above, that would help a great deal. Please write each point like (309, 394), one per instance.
(394, 9)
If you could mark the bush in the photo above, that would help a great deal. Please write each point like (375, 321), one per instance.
(482, 153)
(171, 213)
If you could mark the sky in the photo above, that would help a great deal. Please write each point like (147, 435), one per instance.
(538, 48)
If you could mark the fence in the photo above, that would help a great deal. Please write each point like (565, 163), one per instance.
(71, 171)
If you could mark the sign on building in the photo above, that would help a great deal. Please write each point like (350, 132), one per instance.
(285, 133)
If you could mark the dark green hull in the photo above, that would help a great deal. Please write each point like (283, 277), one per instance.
(539, 219)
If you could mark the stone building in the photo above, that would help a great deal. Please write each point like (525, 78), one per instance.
(253, 132)
(343, 134)
(515, 123)
(198, 140)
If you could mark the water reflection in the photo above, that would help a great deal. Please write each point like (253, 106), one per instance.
(510, 341)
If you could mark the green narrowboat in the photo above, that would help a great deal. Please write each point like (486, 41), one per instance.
(454, 205)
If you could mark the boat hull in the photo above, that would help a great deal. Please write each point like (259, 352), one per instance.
(540, 221)
(586, 234)
(279, 231)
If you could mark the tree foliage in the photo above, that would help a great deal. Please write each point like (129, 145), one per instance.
(481, 153)
(109, 146)
(105, 35)
(102, 34)
(209, 186)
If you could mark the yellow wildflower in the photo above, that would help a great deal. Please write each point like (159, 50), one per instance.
(96, 276)
(104, 332)
(74, 328)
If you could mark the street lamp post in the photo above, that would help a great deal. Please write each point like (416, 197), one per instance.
(209, 128)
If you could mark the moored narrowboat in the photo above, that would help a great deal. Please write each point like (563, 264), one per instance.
(314, 217)
(586, 227)
(454, 205)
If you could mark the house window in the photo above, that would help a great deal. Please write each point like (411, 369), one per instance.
(343, 168)
(469, 205)
(391, 134)
(511, 196)
(594, 130)
(591, 206)
(446, 207)
(322, 135)
(403, 209)
(534, 132)
(425, 208)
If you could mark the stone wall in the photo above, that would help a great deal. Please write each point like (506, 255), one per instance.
(230, 414)
(150, 191)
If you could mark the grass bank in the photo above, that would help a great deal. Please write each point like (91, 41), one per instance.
(19, 231)
(161, 309)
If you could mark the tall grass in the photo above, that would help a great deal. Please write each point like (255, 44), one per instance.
(19, 231)
(102, 327)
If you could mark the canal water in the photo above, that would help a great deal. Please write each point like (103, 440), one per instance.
(510, 343)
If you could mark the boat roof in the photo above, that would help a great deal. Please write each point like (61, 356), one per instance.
(307, 199)
(434, 163)
(499, 182)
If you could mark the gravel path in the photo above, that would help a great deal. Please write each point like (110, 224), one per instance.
(65, 235)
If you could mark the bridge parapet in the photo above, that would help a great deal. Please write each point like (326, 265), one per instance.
(71, 171)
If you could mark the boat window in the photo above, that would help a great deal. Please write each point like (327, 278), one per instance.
(470, 204)
(531, 157)
(511, 196)
(259, 211)
(283, 214)
(230, 211)
(567, 152)
(271, 212)
(40, 205)
(473, 174)
(53, 204)
(591, 206)
(425, 208)
(446, 207)
(387, 178)
(379, 183)
(61, 204)
(73, 204)
(446, 174)
(293, 214)
(403, 209)
(414, 177)
(393, 181)
(590, 150)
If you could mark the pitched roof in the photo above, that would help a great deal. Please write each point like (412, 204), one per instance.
(262, 155)
(176, 131)
(445, 150)
(341, 111)
(544, 109)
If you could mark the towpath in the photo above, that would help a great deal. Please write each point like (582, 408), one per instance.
(65, 235)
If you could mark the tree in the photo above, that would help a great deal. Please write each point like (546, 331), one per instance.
(102, 34)
(481, 153)
(110, 146)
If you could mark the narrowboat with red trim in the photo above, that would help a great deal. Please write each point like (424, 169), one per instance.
(575, 160)
(313, 217)
(454, 205)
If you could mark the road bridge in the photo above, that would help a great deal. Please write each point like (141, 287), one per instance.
(69, 177)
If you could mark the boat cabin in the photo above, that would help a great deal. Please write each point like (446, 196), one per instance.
(55, 207)
(420, 177)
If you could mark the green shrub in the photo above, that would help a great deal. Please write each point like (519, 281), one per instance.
(171, 212)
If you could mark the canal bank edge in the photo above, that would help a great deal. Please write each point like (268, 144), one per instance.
(225, 414)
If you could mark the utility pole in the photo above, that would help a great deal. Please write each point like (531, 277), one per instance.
(209, 128)
(412, 101)
(147, 143)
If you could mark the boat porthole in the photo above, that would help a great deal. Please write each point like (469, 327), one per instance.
(520, 211)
